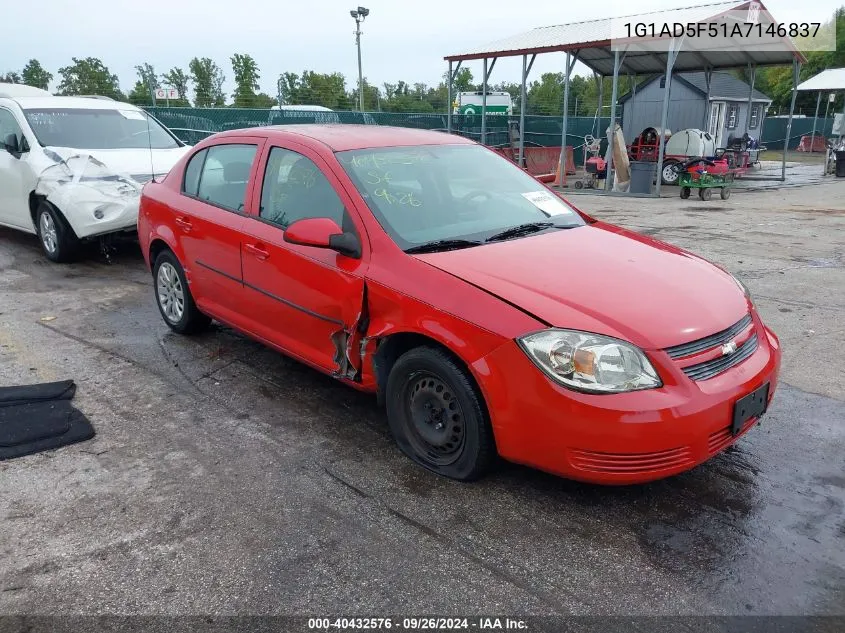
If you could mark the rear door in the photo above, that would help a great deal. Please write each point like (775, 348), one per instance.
(306, 300)
(216, 188)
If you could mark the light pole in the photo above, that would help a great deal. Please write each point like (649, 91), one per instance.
(358, 15)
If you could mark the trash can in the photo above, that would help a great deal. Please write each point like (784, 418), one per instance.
(840, 163)
(642, 176)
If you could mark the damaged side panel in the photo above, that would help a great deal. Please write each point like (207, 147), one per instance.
(350, 343)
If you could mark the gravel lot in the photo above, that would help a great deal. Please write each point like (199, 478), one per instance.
(227, 479)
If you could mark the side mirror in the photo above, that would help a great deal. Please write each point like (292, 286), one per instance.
(10, 144)
(323, 233)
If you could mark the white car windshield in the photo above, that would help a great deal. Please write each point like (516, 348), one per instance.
(106, 128)
(426, 196)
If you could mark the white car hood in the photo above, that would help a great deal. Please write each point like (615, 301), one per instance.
(139, 164)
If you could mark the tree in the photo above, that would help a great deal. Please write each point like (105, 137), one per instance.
(208, 83)
(263, 100)
(463, 81)
(546, 96)
(33, 74)
(10, 78)
(141, 94)
(246, 80)
(89, 76)
(180, 80)
(372, 97)
(328, 90)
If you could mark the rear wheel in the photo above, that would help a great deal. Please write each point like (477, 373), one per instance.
(670, 174)
(725, 193)
(437, 416)
(685, 191)
(57, 239)
(705, 194)
(173, 296)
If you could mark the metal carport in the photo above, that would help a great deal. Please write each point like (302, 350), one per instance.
(592, 43)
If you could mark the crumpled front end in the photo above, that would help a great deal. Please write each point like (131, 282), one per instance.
(94, 198)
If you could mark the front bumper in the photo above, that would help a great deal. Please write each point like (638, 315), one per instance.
(620, 438)
(117, 216)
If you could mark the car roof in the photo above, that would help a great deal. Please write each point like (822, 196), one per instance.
(341, 137)
(77, 103)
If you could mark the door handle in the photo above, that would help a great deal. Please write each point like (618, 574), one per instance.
(257, 250)
(184, 223)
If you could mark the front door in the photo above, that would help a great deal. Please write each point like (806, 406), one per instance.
(15, 177)
(208, 225)
(305, 300)
(717, 122)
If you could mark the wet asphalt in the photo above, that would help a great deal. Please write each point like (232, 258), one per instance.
(227, 479)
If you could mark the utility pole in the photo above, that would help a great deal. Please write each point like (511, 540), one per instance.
(358, 15)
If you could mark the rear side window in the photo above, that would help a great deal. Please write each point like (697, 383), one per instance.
(224, 175)
(192, 173)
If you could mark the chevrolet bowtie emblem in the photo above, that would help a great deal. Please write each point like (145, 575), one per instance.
(728, 348)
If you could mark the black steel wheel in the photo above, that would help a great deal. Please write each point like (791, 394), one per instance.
(685, 191)
(705, 194)
(437, 416)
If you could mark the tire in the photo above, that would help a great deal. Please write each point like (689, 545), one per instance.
(57, 239)
(579, 184)
(669, 175)
(427, 388)
(725, 193)
(173, 296)
(685, 191)
(705, 194)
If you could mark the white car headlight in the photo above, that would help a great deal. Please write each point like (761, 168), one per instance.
(590, 362)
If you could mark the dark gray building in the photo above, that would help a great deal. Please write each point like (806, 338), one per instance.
(727, 114)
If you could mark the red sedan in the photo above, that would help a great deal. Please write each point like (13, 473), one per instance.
(490, 316)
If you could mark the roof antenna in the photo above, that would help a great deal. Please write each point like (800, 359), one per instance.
(150, 145)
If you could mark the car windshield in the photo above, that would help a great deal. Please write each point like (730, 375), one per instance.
(107, 128)
(453, 195)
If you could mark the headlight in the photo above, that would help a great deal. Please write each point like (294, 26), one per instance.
(590, 362)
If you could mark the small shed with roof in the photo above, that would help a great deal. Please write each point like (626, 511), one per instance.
(723, 112)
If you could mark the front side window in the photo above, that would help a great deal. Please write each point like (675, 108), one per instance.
(9, 125)
(429, 193)
(295, 188)
(107, 128)
(224, 176)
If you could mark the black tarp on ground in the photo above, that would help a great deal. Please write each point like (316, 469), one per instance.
(35, 418)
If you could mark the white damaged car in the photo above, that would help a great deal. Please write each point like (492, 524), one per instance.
(72, 168)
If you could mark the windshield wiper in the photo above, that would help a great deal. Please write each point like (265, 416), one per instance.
(521, 229)
(442, 245)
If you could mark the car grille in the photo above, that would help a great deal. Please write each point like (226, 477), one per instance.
(631, 462)
(687, 349)
(710, 368)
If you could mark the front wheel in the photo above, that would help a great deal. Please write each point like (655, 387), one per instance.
(705, 194)
(670, 174)
(57, 239)
(685, 191)
(437, 416)
(173, 296)
(725, 193)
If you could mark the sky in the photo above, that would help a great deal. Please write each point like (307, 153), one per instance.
(402, 39)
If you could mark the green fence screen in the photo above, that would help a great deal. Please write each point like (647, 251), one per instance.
(194, 124)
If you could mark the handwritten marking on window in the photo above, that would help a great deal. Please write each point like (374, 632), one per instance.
(398, 198)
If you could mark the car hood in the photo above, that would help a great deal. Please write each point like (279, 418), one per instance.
(136, 163)
(604, 279)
